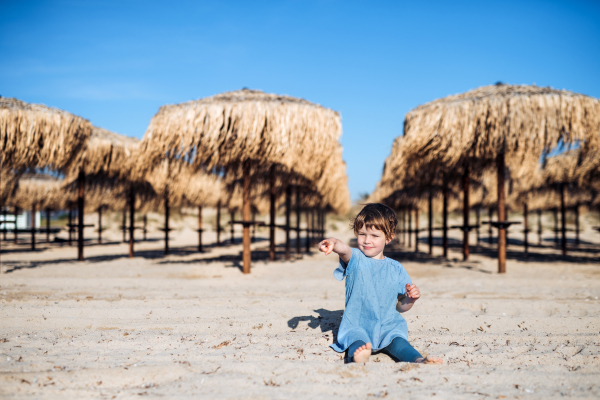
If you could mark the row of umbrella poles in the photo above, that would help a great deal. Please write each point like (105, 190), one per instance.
(501, 131)
(43, 191)
(409, 228)
(289, 140)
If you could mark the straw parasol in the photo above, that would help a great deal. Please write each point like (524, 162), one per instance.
(242, 131)
(501, 125)
(108, 160)
(37, 136)
(36, 192)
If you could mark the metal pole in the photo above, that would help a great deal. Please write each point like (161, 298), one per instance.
(501, 216)
(131, 221)
(288, 207)
(246, 217)
(466, 206)
(272, 195)
(80, 202)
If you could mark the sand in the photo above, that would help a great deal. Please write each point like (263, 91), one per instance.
(190, 325)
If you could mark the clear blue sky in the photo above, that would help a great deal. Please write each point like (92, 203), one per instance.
(116, 62)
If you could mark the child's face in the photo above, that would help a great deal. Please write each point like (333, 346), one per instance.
(371, 242)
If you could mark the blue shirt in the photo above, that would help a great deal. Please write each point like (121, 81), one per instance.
(372, 289)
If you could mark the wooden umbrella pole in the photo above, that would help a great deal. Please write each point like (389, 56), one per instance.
(231, 230)
(145, 229)
(80, 203)
(501, 216)
(131, 221)
(4, 223)
(33, 211)
(288, 207)
(477, 222)
(124, 225)
(445, 220)
(100, 224)
(409, 227)
(246, 217)
(324, 223)
(218, 223)
(307, 213)
(298, 220)
(416, 229)
(47, 225)
(490, 232)
(430, 218)
(253, 230)
(272, 195)
(200, 249)
(312, 227)
(466, 213)
(563, 220)
(70, 226)
(526, 227)
(539, 215)
(167, 221)
(576, 224)
(555, 212)
(404, 226)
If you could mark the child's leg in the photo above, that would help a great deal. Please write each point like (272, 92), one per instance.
(401, 350)
(359, 351)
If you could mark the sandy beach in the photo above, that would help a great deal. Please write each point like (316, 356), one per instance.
(190, 325)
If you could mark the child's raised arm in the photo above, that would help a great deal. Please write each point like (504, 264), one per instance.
(337, 246)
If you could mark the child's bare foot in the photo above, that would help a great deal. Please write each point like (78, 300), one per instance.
(429, 360)
(362, 354)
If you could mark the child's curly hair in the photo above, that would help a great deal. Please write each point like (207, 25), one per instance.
(376, 216)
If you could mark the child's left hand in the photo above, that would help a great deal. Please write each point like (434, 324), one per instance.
(413, 292)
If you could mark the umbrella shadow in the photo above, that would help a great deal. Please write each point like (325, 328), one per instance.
(328, 321)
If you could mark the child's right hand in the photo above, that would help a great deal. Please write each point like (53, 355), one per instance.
(326, 246)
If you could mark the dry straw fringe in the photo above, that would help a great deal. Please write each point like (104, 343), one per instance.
(245, 129)
(37, 136)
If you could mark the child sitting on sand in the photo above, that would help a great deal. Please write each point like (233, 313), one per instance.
(377, 288)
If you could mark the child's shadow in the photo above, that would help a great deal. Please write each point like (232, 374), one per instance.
(327, 321)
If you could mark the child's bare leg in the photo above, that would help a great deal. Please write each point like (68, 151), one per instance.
(362, 354)
(429, 360)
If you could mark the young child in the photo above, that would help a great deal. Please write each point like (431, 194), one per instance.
(377, 289)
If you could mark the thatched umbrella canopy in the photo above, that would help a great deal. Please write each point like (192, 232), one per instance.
(36, 192)
(37, 136)
(501, 125)
(108, 160)
(245, 130)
